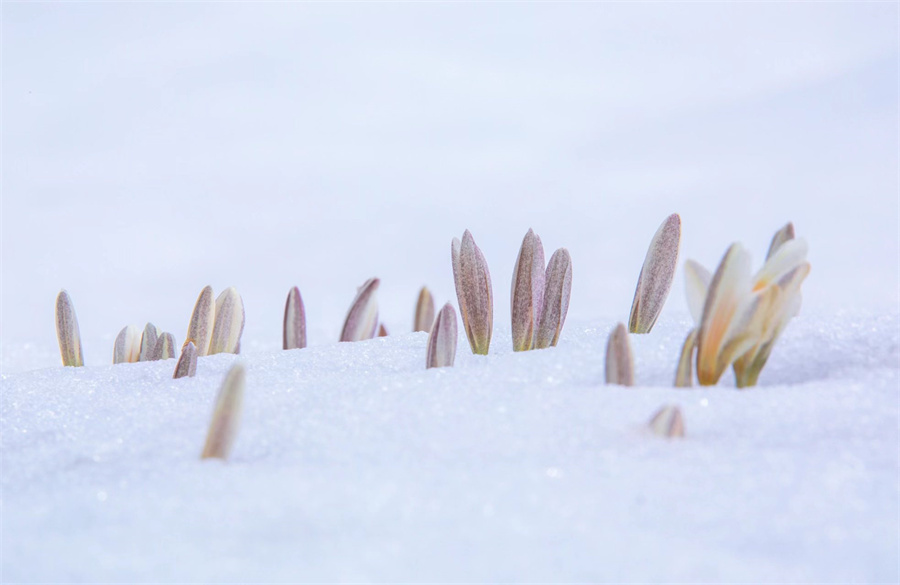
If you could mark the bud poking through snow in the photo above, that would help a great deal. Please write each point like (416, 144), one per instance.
(202, 321)
(127, 348)
(187, 363)
(148, 342)
(165, 347)
(362, 319)
(67, 331)
(473, 291)
(226, 416)
(442, 339)
(229, 323)
(656, 276)
(527, 295)
(780, 238)
(557, 290)
(382, 330)
(619, 359)
(667, 422)
(684, 374)
(424, 316)
(294, 321)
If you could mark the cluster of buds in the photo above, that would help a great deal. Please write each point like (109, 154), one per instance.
(539, 298)
(739, 316)
(215, 327)
(132, 345)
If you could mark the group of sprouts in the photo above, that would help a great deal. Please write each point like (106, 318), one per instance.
(738, 317)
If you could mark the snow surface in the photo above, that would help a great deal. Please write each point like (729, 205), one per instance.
(150, 149)
(354, 463)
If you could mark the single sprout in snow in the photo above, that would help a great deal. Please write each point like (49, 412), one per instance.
(473, 292)
(656, 276)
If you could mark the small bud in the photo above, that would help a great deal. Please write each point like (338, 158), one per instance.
(294, 321)
(558, 289)
(362, 318)
(148, 342)
(382, 331)
(684, 375)
(667, 422)
(226, 416)
(202, 321)
(165, 347)
(442, 339)
(424, 316)
(656, 276)
(527, 295)
(619, 359)
(229, 323)
(127, 348)
(473, 291)
(67, 331)
(187, 363)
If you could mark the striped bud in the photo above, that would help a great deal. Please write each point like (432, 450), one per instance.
(558, 289)
(656, 276)
(473, 292)
(67, 331)
(226, 415)
(527, 295)
(294, 336)
(667, 422)
(187, 363)
(127, 348)
(202, 321)
(229, 323)
(441, 350)
(362, 318)
(619, 359)
(424, 316)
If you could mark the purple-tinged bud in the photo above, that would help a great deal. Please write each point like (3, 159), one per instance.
(442, 339)
(656, 276)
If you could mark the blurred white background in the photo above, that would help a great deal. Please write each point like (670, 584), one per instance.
(151, 149)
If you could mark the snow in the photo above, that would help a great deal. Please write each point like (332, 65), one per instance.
(355, 463)
(149, 150)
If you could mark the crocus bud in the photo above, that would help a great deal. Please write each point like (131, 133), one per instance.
(229, 323)
(473, 291)
(67, 331)
(187, 363)
(667, 422)
(619, 359)
(294, 321)
(202, 321)
(226, 416)
(557, 290)
(527, 295)
(362, 318)
(656, 276)
(148, 342)
(127, 348)
(424, 316)
(165, 347)
(442, 339)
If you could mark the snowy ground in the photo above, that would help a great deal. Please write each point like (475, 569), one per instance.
(354, 463)
(150, 149)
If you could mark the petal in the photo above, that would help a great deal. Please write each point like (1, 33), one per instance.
(226, 415)
(728, 291)
(362, 318)
(187, 363)
(619, 359)
(67, 332)
(558, 289)
(229, 322)
(696, 281)
(781, 236)
(294, 329)
(441, 350)
(684, 374)
(786, 258)
(657, 274)
(202, 321)
(424, 316)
